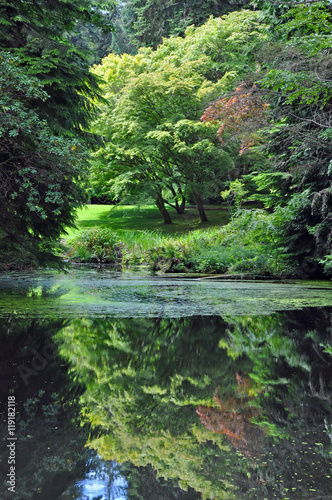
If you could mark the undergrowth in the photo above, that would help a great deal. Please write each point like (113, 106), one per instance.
(237, 247)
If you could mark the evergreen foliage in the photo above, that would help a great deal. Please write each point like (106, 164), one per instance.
(40, 172)
(35, 33)
(148, 22)
(46, 105)
(301, 94)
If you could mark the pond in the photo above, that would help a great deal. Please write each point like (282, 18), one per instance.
(135, 386)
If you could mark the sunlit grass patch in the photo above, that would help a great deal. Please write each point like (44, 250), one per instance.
(147, 217)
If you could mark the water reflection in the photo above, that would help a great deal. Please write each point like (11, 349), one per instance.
(89, 293)
(52, 461)
(189, 407)
(222, 406)
(104, 483)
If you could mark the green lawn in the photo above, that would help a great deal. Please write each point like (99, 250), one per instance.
(145, 217)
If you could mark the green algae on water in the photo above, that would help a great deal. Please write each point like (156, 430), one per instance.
(99, 293)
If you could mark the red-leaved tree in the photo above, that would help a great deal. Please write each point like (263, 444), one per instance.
(239, 116)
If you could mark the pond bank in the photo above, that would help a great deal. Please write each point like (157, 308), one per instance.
(143, 268)
(225, 251)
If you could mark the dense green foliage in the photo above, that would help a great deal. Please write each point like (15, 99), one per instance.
(286, 163)
(35, 33)
(45, 101)
(299, 79)
(40, 171)
(225, 105)
(155, 144)
(267, 102)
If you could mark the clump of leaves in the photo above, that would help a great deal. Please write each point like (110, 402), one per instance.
(239, 116)
(96, 245)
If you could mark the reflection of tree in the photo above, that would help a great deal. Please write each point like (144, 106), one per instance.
(144, 379)
(232, 417)
(27, 353)
(288, 354)
(50, 440)
(143, 483)
(50, 449)
(289, 357)
(145, 361)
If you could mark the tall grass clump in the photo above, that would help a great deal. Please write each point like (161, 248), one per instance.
(109, 246)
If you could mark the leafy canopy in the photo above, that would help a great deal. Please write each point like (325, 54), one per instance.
(153, 137)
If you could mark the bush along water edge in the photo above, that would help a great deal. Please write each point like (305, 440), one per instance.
(237, 248)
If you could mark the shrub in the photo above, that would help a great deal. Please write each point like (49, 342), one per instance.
(96, 245)
(248, 244)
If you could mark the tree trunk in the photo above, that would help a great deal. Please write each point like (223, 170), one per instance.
(161, 205)
(180, 208)
(200, 207)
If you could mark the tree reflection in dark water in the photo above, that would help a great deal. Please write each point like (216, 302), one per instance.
(236, 408)
(186, 408)
(52, 461)
(50, 443)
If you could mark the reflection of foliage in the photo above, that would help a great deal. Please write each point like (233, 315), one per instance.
(147, 351)
(254, 335)
(143, 483)
(232, 417)
(190, 458)
(50, 442)
(144, 378)
(291, 389)
(281, 358)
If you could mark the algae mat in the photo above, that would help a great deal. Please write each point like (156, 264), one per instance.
(99, 293)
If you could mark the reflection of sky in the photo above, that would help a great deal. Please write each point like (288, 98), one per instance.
(102, 484)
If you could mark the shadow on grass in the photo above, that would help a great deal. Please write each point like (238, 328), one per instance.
(144, 218)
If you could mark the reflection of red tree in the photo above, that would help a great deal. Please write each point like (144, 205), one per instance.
(232, 417)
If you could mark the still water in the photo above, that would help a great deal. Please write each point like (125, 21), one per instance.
(134, 386)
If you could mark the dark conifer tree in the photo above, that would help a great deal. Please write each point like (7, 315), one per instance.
(45, 107)
(147, 22)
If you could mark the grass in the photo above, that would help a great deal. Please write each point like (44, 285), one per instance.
(126, 235)
(128, 217)
(129, 235)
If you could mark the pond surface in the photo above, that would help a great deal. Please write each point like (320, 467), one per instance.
(99, 293)
(134, 386)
